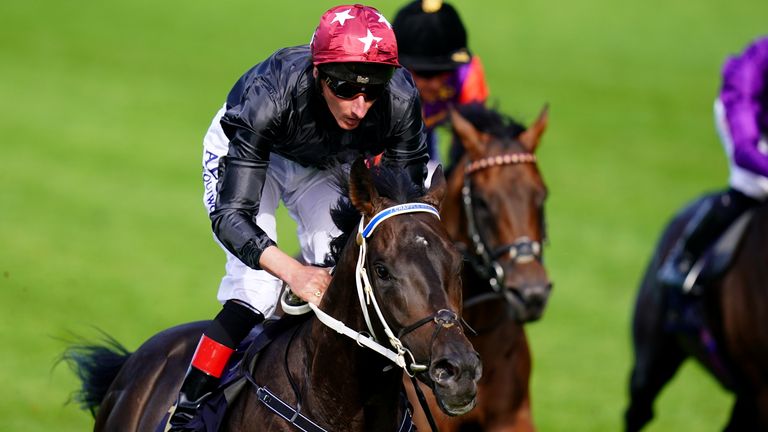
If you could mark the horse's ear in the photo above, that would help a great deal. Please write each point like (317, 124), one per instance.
(436, 191)
(531, 137)
(362, 192)
(472, 140)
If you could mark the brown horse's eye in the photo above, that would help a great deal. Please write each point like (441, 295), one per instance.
(381, 272)
(483, 211)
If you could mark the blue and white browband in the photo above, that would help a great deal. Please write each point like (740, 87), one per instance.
(396, 210)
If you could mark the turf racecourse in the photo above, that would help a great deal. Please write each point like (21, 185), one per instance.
(103, 107)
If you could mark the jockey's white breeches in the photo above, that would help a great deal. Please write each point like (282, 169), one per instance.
(307, 193)
(746, 182)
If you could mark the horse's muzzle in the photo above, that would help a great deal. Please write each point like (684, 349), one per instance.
(455, 380)
(527, 303)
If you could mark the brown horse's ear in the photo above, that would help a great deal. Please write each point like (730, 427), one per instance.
(472, 139)
(362, 192)
(436, 191)
(531, 137)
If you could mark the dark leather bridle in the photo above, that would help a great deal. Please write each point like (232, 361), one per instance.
(485, 261)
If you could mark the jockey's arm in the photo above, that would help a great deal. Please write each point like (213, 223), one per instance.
(251, 128)
(238, 200)
(307, 282)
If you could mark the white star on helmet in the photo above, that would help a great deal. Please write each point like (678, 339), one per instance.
(368, 40)
(384, 20)
(342, 17)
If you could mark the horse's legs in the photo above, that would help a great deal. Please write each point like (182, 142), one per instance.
(762, 405)
(654, 367)
(747, 414)
(657, 354)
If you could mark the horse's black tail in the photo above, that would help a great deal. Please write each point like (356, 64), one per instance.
(97, 366)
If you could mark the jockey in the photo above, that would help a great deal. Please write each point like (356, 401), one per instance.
(741, 115)
(433, 46)
(285, 122)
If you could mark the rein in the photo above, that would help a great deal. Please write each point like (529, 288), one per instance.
(484, 261)
(305, 424)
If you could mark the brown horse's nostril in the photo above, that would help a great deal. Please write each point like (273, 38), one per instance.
(444, 370)
(536, 296)
(527, 302)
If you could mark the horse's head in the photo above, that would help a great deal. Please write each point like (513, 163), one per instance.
(501, 211)
(412, 268)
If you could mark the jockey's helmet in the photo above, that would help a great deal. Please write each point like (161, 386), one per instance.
(355, 43)
(431, 36)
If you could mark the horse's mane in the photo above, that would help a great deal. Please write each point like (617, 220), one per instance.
(391, 182)
(491, 121)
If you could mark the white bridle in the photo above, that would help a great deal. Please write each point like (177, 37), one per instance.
(366, 297)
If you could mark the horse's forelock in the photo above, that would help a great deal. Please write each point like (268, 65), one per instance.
(491, 121)
(392, 183)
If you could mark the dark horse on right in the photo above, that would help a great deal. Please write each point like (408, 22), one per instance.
(494, 211)
(724, 326)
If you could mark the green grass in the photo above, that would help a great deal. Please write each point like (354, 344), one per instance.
(103, 106)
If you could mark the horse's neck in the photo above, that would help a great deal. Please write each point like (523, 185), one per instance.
(474, 284)
(452, 212)
(345, 379)
(455, 221)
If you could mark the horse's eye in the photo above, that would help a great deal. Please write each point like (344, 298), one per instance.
(482, 210)
(381, 272)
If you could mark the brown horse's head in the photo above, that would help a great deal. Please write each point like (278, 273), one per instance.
(501, 210)
(413, 268)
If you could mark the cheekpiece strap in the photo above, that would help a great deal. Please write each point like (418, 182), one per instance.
(396, 210)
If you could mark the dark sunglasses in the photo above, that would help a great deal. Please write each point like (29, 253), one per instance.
(348, 90)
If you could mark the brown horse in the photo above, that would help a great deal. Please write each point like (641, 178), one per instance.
(409, 266)
(724, 328)
(494, 210)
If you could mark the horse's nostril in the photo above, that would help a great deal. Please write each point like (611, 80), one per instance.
(444, 370)
(537, 295)
(535, 302)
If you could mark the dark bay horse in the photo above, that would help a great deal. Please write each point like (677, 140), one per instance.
(725, 328)
(409, 269)
(494, 210)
